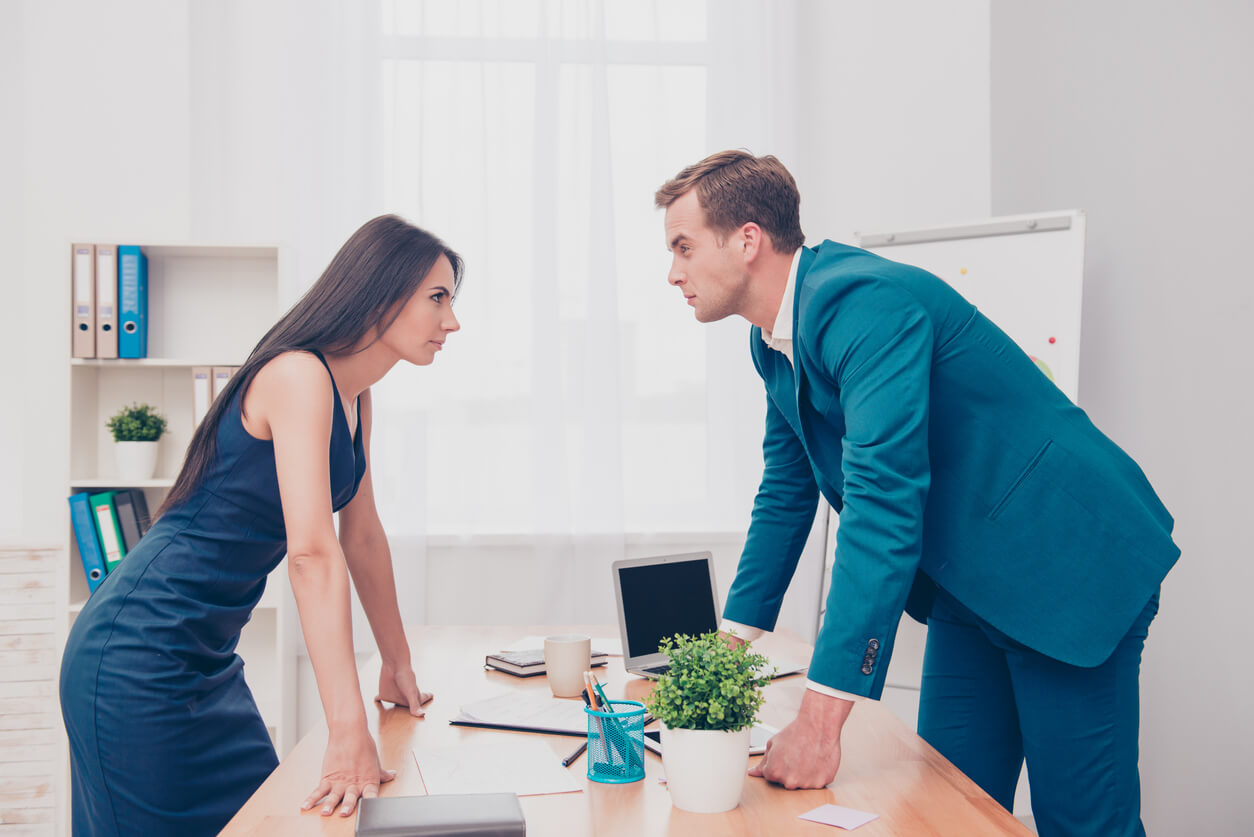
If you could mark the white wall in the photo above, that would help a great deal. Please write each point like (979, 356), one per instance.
(12, 162)
(1140, 114)
(894, 115)
(155, 121)
(98, 129)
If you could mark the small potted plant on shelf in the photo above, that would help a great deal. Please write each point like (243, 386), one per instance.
(136, 430)
(707, 702)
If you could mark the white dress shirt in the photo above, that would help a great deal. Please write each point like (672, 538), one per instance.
(779, 338)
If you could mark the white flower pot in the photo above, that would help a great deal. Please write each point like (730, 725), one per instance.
(705, 769)
(136, 461)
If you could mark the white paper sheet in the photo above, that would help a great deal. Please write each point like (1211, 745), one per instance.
(846, 818)
(528, 711)
(525, 766)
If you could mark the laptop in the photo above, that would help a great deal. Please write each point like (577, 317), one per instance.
(665, 595)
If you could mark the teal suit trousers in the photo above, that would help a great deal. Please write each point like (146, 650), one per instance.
(989, 702)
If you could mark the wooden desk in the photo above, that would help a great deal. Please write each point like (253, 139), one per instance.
(886, 768)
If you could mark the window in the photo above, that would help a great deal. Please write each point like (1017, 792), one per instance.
(577, 398)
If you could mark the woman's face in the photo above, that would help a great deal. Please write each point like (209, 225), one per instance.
(427, 319)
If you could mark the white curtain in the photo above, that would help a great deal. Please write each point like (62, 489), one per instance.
(580, 406)
(581, 414)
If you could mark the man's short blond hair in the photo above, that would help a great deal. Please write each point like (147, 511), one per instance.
(735, 188)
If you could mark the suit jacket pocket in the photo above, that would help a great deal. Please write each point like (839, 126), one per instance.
(1018, 481)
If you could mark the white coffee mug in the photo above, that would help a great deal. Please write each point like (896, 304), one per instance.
(566, 658)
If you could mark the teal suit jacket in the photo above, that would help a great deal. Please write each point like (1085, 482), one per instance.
(952, 461)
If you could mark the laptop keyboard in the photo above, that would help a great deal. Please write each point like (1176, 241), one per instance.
(662, 669)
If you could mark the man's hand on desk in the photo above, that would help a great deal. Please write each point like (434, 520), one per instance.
(400, 686)
(806, 753)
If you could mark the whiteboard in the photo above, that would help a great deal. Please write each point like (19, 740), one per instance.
(1024, 272)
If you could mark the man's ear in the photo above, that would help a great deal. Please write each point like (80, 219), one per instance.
(751, 240)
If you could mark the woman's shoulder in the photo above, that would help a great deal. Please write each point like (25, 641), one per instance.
(291, 379)
(297, 367)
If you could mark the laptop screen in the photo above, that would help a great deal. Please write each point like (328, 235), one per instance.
(661, 600)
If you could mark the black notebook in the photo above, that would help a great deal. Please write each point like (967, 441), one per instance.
(452, 814)
(530, 662)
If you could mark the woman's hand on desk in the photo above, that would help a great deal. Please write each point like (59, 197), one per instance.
(350, 771)
(400, 686)
(806, 753)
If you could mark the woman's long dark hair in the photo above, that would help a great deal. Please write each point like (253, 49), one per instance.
(381, 265)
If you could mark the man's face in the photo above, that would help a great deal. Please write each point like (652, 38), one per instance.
(712, 276)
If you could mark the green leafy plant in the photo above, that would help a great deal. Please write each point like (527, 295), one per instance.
(136, 423)
(709, 684)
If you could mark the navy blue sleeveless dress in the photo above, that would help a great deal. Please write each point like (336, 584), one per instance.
(165, 737)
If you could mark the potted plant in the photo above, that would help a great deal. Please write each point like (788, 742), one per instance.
(136, 430)
(707, 702)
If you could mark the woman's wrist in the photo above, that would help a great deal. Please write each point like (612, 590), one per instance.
(396, 656)
(400, 667)
(350, 722)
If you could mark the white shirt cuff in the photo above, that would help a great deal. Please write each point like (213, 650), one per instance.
(746, 632)
(836, 693)
(749, 633)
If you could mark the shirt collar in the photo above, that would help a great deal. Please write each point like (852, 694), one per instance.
(782, 330)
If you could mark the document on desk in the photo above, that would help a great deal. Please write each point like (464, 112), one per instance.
(521, 765)
(529, 712)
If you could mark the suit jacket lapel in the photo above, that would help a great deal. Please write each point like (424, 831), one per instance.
(825, 458)
(803, 267)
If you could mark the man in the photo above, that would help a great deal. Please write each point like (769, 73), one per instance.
(972, 494)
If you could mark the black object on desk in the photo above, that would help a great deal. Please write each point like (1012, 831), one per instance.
(566, 762)
(531, 662)
(470, 814)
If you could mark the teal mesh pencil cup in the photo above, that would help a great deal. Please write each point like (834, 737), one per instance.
(616, 742)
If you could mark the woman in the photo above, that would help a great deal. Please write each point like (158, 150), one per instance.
(165, 737)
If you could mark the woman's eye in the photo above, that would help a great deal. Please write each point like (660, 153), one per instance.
(438, 297)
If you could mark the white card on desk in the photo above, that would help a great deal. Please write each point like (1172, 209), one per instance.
(846, 818)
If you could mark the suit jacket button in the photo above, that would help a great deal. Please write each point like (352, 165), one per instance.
(873, 644)
(866, 668)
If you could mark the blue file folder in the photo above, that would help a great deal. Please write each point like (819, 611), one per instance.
(132, 302)
(81, 518)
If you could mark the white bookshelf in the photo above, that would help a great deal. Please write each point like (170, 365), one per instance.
(207, 306)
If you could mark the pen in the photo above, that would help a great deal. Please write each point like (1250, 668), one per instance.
(589, 679)
(566, 762)
(600, 691)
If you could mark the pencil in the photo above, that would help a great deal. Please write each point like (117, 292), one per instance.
(566, 762)
(589, 678)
